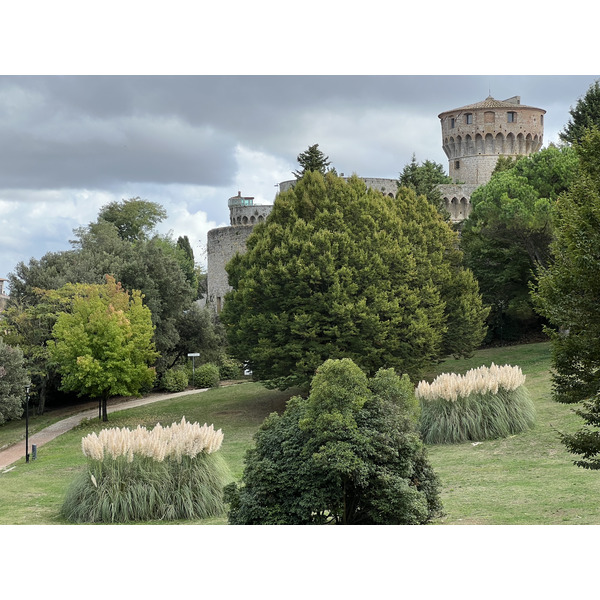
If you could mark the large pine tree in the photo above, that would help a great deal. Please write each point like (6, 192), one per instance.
(567, 291)
(339, 270)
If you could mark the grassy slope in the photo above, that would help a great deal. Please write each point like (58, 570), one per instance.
(525, 479)
(33, 493)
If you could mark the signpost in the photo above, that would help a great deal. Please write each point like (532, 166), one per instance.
(193, 355)
(27, 424)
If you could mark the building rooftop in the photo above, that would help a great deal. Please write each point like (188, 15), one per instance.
(490, 102)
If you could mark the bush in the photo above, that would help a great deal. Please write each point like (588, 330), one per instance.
(164, 474)
(485, 403)
(174, 380)
(348, 454)
(207, 376)
(229, 368)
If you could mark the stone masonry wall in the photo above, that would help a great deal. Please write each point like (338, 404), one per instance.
(222, 244)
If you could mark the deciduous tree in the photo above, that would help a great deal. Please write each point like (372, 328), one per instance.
(102, 343)
(508, 232)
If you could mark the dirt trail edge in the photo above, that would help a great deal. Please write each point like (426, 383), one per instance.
(13, 453)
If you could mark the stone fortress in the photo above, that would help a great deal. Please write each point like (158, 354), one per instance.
(473, 138)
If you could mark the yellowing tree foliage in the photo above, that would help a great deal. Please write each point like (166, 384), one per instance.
(102, 342)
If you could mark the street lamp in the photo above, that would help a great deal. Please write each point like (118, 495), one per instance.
(27, 424)
(193, 355)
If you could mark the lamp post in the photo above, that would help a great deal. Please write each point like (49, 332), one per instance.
(27, 424)
(193, 355)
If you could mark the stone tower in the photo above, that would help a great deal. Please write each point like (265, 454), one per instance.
(475, 136)
(224, 242)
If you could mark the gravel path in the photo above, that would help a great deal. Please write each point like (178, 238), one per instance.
(13, 453)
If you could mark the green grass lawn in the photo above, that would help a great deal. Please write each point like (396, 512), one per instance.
(525, 479)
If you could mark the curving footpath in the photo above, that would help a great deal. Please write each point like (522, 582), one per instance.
(17, 451)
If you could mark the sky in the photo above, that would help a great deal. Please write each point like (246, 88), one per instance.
(70, 144)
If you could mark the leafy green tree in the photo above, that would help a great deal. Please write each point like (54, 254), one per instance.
(153, 265)
(566, 292)
(199, 331)
(342, 271)
(103, 345)
(508, 232)
(423, 179)
(348, 454)
(585, 115)
(134, 219)
(13, 381)
(29, 327)
(312, 160)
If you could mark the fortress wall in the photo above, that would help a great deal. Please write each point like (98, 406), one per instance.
(222, 244)
(387, 186)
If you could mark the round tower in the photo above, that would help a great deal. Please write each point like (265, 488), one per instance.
(224, 242)
(242, 210)
(475, 136)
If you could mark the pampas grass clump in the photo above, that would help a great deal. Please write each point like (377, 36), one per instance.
(484, 403)
(166, 473)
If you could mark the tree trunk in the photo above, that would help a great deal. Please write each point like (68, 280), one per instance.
(104, 408)
(42, 395)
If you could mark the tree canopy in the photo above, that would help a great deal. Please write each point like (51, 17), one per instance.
(423, 179)
(347, 454)
(155, 265)
(566, 291)
(312, 160)
(102, 342)
(13, 381)
(508, 232)
(339, 270)
(134, 219)
(586, 114)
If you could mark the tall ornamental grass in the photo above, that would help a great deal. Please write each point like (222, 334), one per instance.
(484, 403)
(166, 473)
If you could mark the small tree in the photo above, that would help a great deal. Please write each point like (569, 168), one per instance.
(348, 454)
(13, 381)
(103, 345)
(312, 160)
(423, 179)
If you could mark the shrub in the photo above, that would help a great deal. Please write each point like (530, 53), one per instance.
(229, 368)
(485, 403)
(139, 475)
(174, 380)
(348, 454)
(207, 376)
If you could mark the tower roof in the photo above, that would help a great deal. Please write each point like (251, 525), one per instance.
(490, 102)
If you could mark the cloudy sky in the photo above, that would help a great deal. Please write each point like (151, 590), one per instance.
(71, 144)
